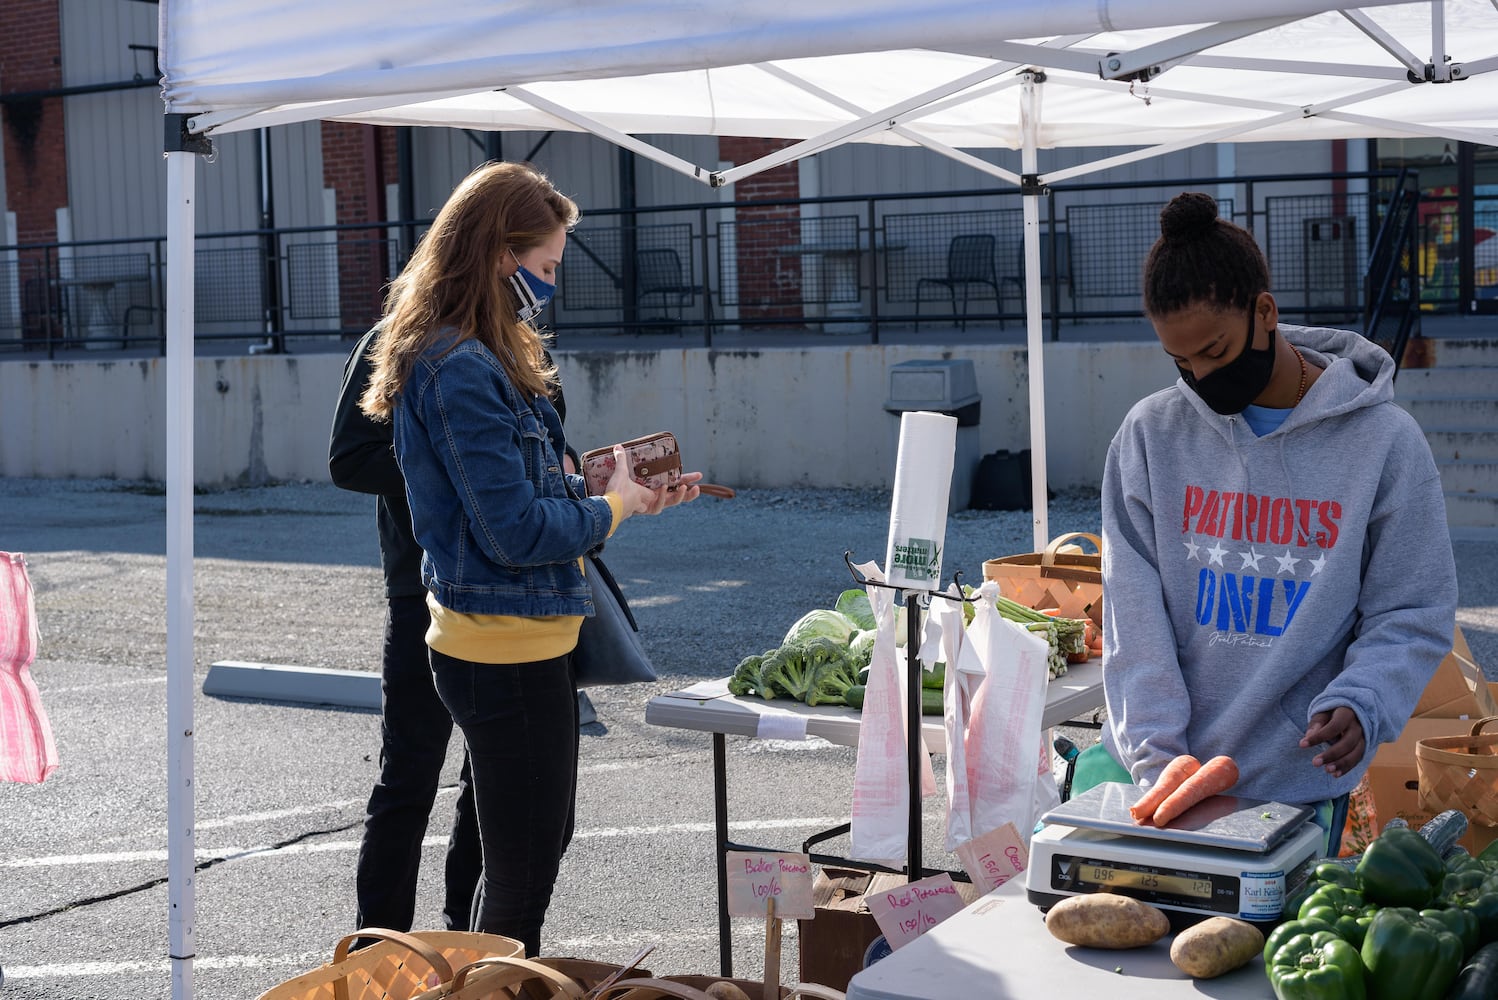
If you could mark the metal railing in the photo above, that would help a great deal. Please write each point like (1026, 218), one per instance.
(855, 265)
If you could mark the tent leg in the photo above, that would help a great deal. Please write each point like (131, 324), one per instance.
(181, 201)
(1030, 197)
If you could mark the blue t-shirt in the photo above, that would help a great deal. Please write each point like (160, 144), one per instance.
(1263, 419)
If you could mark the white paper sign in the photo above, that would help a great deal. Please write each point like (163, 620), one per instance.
(906, 912)
(756, 877)
(994, 858)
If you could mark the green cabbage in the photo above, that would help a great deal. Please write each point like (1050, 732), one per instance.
(832, 624)
(855, 605)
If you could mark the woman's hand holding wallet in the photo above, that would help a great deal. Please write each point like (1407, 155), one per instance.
(640, 499)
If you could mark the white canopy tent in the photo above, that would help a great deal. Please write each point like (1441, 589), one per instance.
(1160, 75)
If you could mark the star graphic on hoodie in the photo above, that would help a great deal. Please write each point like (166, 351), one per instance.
(1286, 562)
(1191, 548)
(1319, 563)
(1250, 558)
(1216, 552)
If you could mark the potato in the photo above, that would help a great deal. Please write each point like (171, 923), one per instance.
(1106, 920)
(725, 990)
(1215, 946)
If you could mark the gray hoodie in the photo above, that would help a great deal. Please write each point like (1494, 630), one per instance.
(1250, 582)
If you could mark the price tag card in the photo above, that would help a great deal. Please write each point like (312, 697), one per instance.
(906, 912)
(994, 858)
(756, 877)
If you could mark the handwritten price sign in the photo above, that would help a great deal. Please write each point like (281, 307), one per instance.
(756, 877)
(994, 858)
(908, 911)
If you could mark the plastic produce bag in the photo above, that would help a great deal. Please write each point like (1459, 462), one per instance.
(1004, 731)
(27, 753)
(881, 784)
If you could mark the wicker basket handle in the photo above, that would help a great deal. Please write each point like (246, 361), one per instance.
(1477, 726)
(1048, 558)
(430, 955)
(521, 969)
(653, 989)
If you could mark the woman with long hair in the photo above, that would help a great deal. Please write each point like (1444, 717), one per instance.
(462, 372)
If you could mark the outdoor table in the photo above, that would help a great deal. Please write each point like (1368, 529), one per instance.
(708, 707)
(999, 949)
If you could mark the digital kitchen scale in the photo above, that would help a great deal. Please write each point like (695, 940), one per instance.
(1226, 856)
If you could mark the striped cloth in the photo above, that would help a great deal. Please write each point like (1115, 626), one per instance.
(27, 753)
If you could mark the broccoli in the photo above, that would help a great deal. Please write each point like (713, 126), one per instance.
(746, 679)
(830, 681)
(785, 672)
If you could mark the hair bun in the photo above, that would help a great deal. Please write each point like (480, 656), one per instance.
(1189, 216)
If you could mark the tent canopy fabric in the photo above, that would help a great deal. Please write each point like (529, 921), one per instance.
(1126, 72)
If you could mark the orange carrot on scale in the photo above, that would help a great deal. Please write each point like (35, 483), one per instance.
(1176, 772)
(1216, 776)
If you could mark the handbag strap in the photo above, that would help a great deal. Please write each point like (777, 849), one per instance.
(716, 490)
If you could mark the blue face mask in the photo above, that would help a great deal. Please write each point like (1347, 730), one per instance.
(531, 291)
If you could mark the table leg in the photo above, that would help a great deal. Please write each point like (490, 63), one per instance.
(720, 822)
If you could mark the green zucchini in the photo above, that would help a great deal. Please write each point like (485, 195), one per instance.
(1478, 979)
(1445, 829)
(931, 703)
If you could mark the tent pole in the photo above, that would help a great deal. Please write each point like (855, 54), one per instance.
(181, 180)
(1031, 191)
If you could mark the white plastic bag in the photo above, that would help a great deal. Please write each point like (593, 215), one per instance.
(1004, 729)
(880, 824)
(27, 751)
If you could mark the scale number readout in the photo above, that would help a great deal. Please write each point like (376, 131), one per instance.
(1185, 889)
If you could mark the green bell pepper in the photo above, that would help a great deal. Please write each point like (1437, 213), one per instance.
(1475, 891)
(1345, 909)
(1335, 873)
(1407, 957)
(1459, 921)
(1400, 868)
(1288, 930)
(1319, 966)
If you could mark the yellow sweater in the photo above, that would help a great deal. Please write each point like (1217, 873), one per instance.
(508, 638)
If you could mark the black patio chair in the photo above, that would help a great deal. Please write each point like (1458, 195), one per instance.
(658, 272)
(972, 260)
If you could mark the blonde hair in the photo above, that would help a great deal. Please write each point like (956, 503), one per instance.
(453, 281)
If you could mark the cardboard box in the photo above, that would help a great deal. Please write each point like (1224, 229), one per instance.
(832, 944)
(1458, 689)
(1457, 696)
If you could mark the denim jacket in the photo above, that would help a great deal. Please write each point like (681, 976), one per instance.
(501, 526)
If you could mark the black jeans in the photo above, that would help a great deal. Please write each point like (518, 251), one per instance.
(520, 724)
(415, 728)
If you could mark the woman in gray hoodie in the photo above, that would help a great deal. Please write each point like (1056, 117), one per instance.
(1278, 569)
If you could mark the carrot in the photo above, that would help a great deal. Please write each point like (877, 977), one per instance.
(1176, 772)
(1216, 776)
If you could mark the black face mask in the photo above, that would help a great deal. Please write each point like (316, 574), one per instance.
(1229, 389)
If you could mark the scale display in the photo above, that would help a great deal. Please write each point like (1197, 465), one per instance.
(1072, 874)
(1186, 886)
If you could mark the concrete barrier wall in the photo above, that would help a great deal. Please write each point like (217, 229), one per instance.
(753, 418)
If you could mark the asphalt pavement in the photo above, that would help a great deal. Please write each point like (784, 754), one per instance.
(289, 575)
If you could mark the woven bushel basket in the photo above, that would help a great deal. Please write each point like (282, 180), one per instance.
(1069, 581)
(399, 966)
(1461, 772)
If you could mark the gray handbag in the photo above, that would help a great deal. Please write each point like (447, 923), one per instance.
(609, 650)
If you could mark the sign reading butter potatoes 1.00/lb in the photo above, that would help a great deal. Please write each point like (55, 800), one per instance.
(756, 877)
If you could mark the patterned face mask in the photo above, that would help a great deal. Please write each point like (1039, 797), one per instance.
(531, 291)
